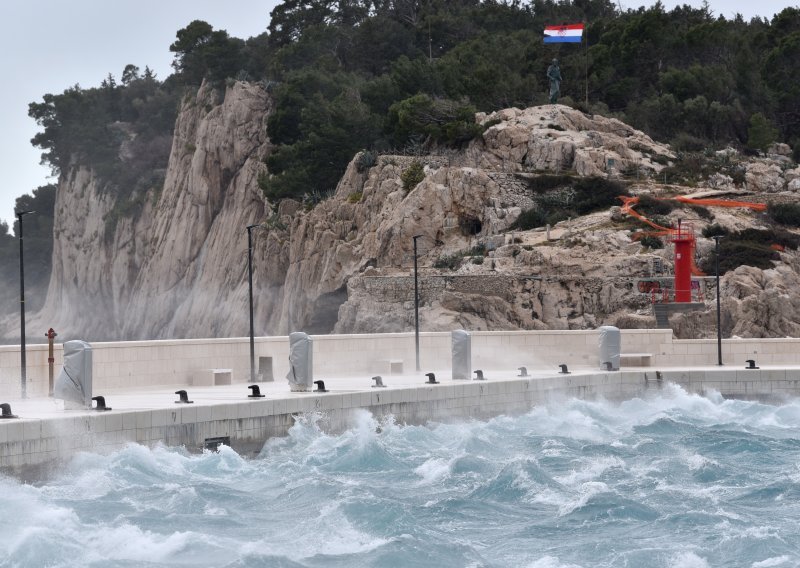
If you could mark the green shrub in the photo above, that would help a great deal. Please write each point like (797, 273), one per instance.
(355, 197)
(443, 121)
(412, 176)
(596, 193)
(761, 132)
(449, 261)
(702, 212)
(477, 260)
(734, 253)
(652, 242)
(714, 231)
(530, 219)
(546, 182)
(561, 197)
(738, 175)
(684, 142)
(478, 250)
(649, 206)
(785, 213)
(751, 247)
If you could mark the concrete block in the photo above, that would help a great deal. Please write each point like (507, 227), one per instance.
(219, 412)
(31, 429)
(188, 415)
(260, 408)
(144, 419)
(280, 406)
(293, 405)
(14, 431)
(158, 418)
(203, 413)
(244, 410)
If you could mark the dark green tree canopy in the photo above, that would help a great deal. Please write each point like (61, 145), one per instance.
(378, 74)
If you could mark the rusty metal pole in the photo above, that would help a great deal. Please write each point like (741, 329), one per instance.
(50, 335)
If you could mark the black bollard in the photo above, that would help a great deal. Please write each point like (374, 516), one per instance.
(480, 376)
(7, 411)
(607, 365)
(751, 364)
(378, 382)
(564, 370)
(183, 398)
(101, 403)
(431, 379)
(523, 372)
(320, 386)
(255, 392)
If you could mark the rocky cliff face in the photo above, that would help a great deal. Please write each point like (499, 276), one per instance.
(364, 233)
(179, 268)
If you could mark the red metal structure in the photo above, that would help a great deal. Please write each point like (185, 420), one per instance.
(683, 239)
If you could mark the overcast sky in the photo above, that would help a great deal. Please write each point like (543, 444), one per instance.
(49, 45)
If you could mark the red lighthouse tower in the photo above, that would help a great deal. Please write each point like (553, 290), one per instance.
(683, 239)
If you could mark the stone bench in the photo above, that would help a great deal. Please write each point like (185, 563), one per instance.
(212, 377)
(635, 359)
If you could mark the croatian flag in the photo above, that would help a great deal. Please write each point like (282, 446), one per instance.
(572, 33)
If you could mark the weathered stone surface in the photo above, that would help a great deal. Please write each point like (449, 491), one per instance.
(791, 174)
(780, 149)
(764, 176)
(556, 138)
(720, 181)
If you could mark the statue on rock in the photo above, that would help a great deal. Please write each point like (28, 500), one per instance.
(554, 74)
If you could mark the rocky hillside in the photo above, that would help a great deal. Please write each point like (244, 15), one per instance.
(179, 268)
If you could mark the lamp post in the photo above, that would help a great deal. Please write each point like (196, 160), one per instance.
(416, 301)
(250, 287)
(23, 363)
(719, 327)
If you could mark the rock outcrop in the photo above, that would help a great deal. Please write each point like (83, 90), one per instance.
(556, 138)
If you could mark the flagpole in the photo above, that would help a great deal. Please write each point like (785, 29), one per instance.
(586, 66)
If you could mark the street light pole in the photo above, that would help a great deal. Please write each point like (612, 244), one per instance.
(250, 287)
(23, 362)
(416, 300)
(719, 327)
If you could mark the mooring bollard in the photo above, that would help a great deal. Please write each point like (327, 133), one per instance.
(50, 335)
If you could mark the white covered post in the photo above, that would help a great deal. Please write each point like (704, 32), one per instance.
(610, 347)
(301, 362)
(462, 355)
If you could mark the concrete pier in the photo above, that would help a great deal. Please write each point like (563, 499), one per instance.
(46, 434)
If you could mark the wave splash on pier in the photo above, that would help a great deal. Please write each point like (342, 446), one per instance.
(672, 480)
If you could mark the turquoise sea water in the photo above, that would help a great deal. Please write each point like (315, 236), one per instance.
(673, 480)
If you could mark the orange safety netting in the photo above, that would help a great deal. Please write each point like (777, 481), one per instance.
(629, 202)
(721, 203)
